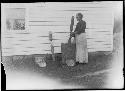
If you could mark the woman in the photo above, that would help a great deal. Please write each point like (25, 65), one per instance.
(80, 38)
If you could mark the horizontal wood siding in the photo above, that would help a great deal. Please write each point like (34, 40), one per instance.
(55, 17)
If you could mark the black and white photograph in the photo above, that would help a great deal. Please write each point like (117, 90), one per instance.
(62, 45)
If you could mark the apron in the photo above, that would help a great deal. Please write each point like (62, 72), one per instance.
(81, 48)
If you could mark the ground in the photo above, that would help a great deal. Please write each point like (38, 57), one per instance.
(68, 75)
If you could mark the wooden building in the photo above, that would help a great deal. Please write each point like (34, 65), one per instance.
(35, 20)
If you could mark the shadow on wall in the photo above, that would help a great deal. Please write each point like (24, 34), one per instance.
(118, 17)
(118, 26)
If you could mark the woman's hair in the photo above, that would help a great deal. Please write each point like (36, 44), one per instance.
(80, 14)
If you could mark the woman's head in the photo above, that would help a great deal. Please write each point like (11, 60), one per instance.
(79, 16)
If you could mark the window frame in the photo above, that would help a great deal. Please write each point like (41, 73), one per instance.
(12, 5)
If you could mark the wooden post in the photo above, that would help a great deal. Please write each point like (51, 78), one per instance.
(71, 27)
(51, 45)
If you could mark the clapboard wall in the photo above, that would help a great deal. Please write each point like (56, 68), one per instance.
(44, 17)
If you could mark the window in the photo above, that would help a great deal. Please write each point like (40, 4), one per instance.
(15, 18)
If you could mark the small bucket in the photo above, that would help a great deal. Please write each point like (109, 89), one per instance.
(40, 61)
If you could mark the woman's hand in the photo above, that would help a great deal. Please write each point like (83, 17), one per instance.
(72, 34)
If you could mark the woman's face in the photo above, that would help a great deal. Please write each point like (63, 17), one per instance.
(78, 17)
